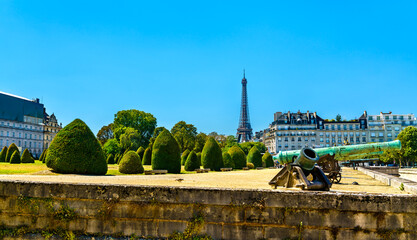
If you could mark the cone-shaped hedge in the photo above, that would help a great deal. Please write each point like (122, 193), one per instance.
(27, 157)
(131, 163)
(227, 161)
(238, 157)
(140, 152)
(199, 159)
(43, 155)
(184, 156)
(3, 154)
(191, 163)
(15, 159)
(110, 159)
(10, 151)
(166, 153)
(75, 149)
(147, 157)
(211, 156)
(255, 157)
(267, 160)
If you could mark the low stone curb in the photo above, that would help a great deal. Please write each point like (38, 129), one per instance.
(409, 186)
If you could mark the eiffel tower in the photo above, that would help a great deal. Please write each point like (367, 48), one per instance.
(244, 131)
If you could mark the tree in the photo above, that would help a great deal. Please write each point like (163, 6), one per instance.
(408, 138)
(227, 161)
(166, 153)
(155, 134)
(267, 160)
(105, 134)
(247, 146)
(230, 142)
(391, 155)
(110, 159)
(130, 140)
(142, 122)
(43, 155)
(147, 157)
(3, 154)
(184, 156)
(191, 163)
(112, 147)
(27, 157)
(338, 118)
(75, 149)
(185, 134)
(238, 157)
(131, 163)
(211, 157)
(200, 140)
(15, 158)
(255, 157)
(140, 152)
(12, 148)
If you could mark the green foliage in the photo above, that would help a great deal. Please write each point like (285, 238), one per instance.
(230, 142)
(111, 147)
(338, 118)
(184, 156)
(140, 152)
(3, 154)
(247, 146)
(401, 187)
(166, 153)
(408, 138)
(238, 157)
(391, 155)
(15, 157)
(267, 160)
(131, 163)
(110, 159)
(200, 140)
(27, 157)
(105, 134)
(147, 157)
(12, 148)
(155, 134)
(199, 158)
(255, 157)
(185, 134)
(130, 139)
(191, 163)
(43, 155)
(211, 157)
(227, 161)
(75, 149)
(250, 165)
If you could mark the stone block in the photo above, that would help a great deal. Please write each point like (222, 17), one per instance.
(243, 232)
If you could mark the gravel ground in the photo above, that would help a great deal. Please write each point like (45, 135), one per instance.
(409, 173)
(253, 179)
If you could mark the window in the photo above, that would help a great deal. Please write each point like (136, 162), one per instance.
(357, 127)
(389, 135)
(363, 139)
(321, 139)
(327, 127)
(327, 134)
(378, 118)
(357, 139)
(306, 139)
(397, 129)
(364, 134)
(332, 127)
(327, 140)
(357, 134)
(338, 127)
(350, 127)
(344, 127)
(372, 134)
(370, 118)
(381, 134)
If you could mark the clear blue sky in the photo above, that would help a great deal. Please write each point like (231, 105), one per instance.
(183, 60)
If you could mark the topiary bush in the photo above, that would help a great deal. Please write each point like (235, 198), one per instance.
(166, 153)
(267, 160)
(184, 156)
(131, 163)
(12, 148)
(15, 158)
(27, 157)
(3, 154)
(43, 155)
(191, 163)
(238, 157)
(199, 159)
(140, 152)
(75, 149)
(227, 161)
(250, 165)
(211, 157)
(147, 157)
(110, 159)
(255, 157)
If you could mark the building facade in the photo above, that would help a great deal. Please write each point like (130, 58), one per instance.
(22, 121)
(292, 131)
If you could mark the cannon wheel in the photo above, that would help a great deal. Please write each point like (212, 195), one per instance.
(335, 177)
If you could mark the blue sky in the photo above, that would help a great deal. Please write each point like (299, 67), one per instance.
(183, 60)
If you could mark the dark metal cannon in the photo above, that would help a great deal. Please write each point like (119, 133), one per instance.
(306, 168)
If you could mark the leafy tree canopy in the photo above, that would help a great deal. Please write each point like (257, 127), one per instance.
(155, 134)
(200, 140)
(111, 147)
(185, 134)
(105, 134)
(246, 146)
(130, 139)
(338, 118)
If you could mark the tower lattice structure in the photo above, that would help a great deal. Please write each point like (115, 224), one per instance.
(244, 131)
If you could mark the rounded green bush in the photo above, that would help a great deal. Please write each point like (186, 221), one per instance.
(27, 157)
(43, 155)
(166, 153)
(3, 154)
(255, 157)
(199, 158)
(184, 156)
(267, 160)
(131, 163)
(250, 165)
(110, 159)
(12, 148)
(147, 157)
(238, 157)
(227, 161)
(211, 157)
(75, 149)
(140, 152)
(191, 163)
(15, 158)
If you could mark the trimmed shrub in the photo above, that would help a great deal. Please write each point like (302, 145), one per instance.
(255, 157)
(27, 157)
(250, 165)
(75, 149)
(110, 159)
(211, 157)
(227, 161)
(3, 154)
(10, 151)
(140, 152)
(238, 157)
(43, 155)
(199, 159)
(131, 163)
(166, 153)
(147, 157)
(184, 156)
(191, 163)
(267, 160)
(15, 158)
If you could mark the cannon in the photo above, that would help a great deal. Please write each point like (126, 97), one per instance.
(306, 168)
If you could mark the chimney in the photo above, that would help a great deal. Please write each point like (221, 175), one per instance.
(308, 115)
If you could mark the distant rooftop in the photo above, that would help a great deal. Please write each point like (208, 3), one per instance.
(11, 95)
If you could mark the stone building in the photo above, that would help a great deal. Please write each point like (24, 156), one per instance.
(386, 126)
(51, 128)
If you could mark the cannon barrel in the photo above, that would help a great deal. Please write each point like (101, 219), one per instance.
(341, 152)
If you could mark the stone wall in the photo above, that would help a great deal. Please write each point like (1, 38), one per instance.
(121, 210)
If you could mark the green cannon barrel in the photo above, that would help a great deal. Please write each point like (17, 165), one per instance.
(342, 152)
